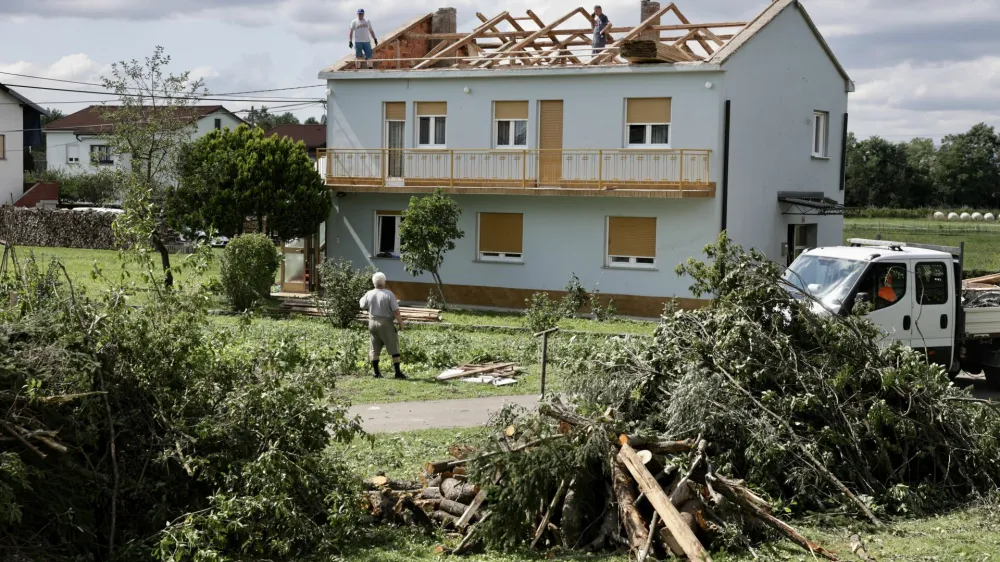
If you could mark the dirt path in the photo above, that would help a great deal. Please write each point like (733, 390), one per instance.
(434, 414)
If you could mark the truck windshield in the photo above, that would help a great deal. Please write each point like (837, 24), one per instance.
(824, 278)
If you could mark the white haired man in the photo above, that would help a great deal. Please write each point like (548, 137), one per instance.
(382, 307)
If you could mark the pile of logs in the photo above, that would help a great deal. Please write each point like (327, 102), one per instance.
(662, 498)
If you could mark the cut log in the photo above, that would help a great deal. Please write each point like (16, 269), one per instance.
(435, 481)
(656, 444)
(471, 511)
(572, 517)
(661, 503)
(653, 51)
(457, 509)
(407, 504)
(635, 526)
(446, 519)
(689, 514)
(384, 482)
(454, 490)
(563, 414)
(431, 493)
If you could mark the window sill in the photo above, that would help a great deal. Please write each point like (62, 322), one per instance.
(620, 268)
(816, 157)
(499, 262)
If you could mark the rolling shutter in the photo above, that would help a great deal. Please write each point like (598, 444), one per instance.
(510, 110)
(395, 111)
(432, 108)
(632, 236)
(647, 110)
(501, 232)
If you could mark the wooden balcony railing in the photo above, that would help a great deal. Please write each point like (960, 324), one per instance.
(666, 169)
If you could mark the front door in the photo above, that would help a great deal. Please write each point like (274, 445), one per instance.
(801, 237)
(550, 142)
(933, 311)
(890, 287)
(294, 266)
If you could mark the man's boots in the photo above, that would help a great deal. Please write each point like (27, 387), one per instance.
(378, 374)
(399, 373)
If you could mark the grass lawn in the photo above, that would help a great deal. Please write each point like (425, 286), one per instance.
(967, 534)
(516, 320)
(981, 239)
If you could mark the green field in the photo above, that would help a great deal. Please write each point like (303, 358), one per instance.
(982, 240)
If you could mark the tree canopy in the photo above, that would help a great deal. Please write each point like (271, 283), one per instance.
(229, 175)
(429, 230)
(264, 119)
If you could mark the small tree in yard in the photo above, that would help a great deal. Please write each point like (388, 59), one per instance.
(429, 229)
(343, 287)
(249, 265)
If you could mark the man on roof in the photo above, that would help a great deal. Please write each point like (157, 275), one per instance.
(601, 26)
(360, 38)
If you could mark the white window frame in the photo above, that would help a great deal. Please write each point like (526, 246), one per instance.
(500, 257)
(69, 158)
(629, 262)
(513, 122)
(106, 152)
(649, 136)
(821, 131)
(433, 125)
(378, 236)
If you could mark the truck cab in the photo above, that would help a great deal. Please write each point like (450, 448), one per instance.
(914, 290)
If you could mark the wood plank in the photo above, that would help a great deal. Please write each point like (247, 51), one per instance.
(551, 35)
(645, 50)
(479, 371)
(531, 38)
(698, 37)
(661, 503)
(462, 42)
(609, 50)
(509, 34)
(466, 518)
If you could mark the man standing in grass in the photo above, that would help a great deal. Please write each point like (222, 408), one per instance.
(382, 306)
(360, 38)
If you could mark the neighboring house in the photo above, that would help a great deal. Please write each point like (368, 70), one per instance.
(20, 129)
(566, 162)
(74, 143)
(313, 136)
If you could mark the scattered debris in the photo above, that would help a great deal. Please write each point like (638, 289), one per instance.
(493, 373)
(305, 305)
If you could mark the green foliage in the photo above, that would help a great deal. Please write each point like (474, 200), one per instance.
(228, 175)
(99, 188)
(265, 120)
(343, 286)
(576, 296)
(968, 167)
(249, 265)
(429, 229)
(542, 313)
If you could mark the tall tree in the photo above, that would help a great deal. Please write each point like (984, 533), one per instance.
(968, 167)
(311, 121)
(153, 119)
(921, 154)
(429, 230)
(53, 115)
(264, 119)
(878, 173)
(228, 175)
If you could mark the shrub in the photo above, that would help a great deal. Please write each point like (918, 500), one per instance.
(600, 311)
(249, 265)
(542, 312)
(342, 286)
(576, 296)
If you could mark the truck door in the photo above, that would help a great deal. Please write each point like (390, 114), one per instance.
(933, 311)
(890, 287)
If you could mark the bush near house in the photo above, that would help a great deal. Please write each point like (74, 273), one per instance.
(249, 265)
(342, 289)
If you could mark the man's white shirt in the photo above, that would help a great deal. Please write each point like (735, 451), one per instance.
(362, 30)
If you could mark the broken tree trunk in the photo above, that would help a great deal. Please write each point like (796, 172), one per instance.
(656, 444)
(635, 527)
(548, 514)
(651, 51)
(382, 481)
(661, 503)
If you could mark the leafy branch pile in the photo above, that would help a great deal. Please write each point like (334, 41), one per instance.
(750, 407)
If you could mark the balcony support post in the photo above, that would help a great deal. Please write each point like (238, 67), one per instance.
(681, 185)
(524, 169)
(385, 165)
(451, 163)
(600, 169)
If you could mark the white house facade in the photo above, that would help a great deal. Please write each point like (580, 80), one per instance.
(74, 143)
(569, 162)
(20, 129)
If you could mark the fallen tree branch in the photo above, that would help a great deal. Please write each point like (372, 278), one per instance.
(548, 514)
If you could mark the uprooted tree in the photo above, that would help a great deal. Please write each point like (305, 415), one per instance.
(750, 407)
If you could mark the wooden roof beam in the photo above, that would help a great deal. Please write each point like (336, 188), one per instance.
(509, 34)
(461, 42)
(545, 30)
(698, 37)
(552, 36)
(609, 51)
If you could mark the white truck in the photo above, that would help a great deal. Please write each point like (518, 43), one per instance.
(917, 297)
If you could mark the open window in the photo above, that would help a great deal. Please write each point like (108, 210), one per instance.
(886, 283)
(510, 123)
(647, 122)
(631, 242)
(387, 233)
(501, 237)
(432, 125)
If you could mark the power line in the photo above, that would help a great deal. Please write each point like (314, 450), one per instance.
(103, 86)
(200, 98)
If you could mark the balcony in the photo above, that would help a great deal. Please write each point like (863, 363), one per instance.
(666, 173)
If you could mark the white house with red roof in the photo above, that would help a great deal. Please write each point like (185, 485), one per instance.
(20, 129)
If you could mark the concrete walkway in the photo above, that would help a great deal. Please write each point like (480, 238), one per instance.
(434, 414)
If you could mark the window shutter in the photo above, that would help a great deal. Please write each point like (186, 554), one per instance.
(395, 111)
(501, 232)
(647, 110)
(72, 152)
(432, 108)
(511, 109)
(632, 236)
(389, 213)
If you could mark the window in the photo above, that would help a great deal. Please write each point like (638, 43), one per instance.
(886, 283)
(932, 283)
(73, 154)
(821, 129)
(432, 124)
(511, 124)
(100, 154)
(387, 233)
(3, 147)
(631, 242)
(218, 124)
(501, 237)
(647, 122)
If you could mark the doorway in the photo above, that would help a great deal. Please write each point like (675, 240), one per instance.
(394, 134)
(300, 262)
(801, 237)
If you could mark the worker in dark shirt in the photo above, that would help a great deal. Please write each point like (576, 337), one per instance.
(601, 26)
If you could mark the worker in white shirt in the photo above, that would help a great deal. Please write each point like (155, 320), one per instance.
(360, 38)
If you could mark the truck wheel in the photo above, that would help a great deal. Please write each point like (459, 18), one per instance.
(992, 377)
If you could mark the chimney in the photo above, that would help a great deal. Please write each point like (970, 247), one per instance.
(445, 20)
(646, 9)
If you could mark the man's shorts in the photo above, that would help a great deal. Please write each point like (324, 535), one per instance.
(383, 334)
(363, 50)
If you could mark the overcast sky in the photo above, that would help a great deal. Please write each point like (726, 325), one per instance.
(922, 67)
